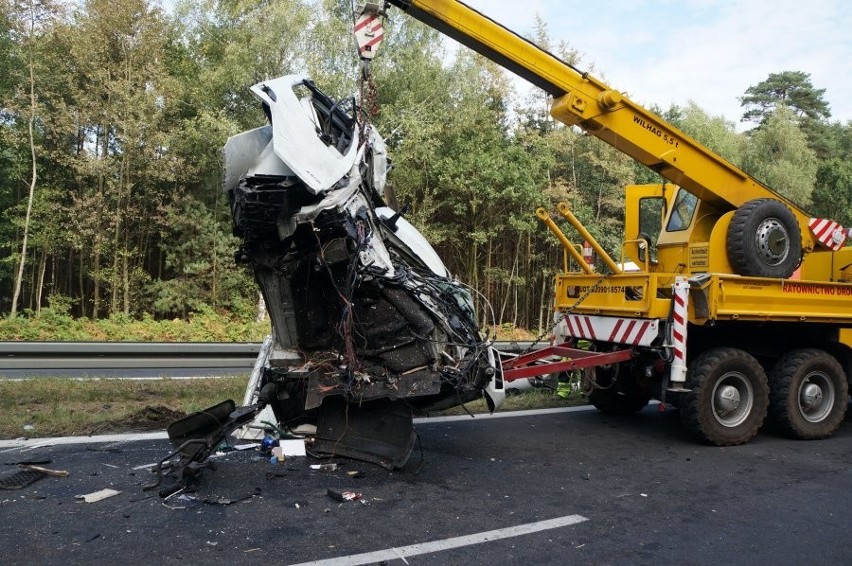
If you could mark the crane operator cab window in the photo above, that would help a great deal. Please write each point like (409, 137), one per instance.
(652, 210)
(682, 211)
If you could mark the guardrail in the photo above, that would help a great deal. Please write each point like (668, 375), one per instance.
(138, 359)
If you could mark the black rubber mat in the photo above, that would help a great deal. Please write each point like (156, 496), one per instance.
(19, 479)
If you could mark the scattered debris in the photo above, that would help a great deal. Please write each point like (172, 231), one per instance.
(248, 446)
(96, 496)
(47, 471)
(342, 496)
(21, 479)
(324, 467)
(354, 474)
(224, 501)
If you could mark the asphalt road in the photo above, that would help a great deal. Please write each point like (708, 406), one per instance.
(614, 490)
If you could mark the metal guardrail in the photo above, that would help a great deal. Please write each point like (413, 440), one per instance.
(30, 359)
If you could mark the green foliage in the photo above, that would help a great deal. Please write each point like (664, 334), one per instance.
(792, 89)
(53, 325)
(199, 259)
(832, 196)
(778, 155)
(715, 132)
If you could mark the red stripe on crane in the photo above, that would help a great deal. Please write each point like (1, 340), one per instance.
(591, 329)
(365, 22)
(625, 336)
(618, 324)
(641, 332)
(824, 230)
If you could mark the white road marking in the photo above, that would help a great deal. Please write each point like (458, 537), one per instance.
(506, 415)
(401, 552)
(31, 443)
(41, 442)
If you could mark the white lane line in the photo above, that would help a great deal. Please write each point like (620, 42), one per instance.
(40, 442)
(506, 415)
(402, 552)
(6, 445)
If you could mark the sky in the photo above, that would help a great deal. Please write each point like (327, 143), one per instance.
(668, 52)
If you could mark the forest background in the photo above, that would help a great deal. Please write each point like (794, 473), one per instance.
(113, 224)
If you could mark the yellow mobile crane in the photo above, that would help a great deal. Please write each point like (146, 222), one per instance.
(762, 290)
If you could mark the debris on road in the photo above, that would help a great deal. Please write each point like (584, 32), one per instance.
(47, 471)
(21, 479)
(342, 496)
(100, 495)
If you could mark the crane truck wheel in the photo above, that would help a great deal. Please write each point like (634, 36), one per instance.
(808, 394)
(764, 240)
(728, 398)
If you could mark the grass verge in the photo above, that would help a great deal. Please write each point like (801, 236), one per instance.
(42, 407)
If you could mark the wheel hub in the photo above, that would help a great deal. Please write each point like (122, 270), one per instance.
(773, 244)
(732, 399)
(816, 397)
(811, 396)
(729, 398)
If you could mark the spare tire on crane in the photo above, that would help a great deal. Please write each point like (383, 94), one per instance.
(764, 239)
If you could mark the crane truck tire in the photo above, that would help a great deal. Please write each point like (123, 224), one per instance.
(808, 394)
(728, 398)
(764, 240)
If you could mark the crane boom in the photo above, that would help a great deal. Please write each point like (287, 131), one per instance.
(582, 100)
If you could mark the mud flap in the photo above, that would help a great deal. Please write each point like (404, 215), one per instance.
(381, 432)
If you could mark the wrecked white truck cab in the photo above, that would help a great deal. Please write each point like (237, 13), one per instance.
(368, 327)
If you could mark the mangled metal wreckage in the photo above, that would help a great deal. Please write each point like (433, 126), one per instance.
(368, 327)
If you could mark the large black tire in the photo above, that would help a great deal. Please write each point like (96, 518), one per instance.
(613, 389)
(728, 397)
(764, 240)
(808, 394)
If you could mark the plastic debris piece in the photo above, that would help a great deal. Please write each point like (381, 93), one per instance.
(324, 467)
(342, 496)
(267, 444)
(248, 446)
(293, 447)
(96, 496)
(354, 474)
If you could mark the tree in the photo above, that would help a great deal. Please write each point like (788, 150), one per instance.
(779, 156)
(792, 89)
(34, 20)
